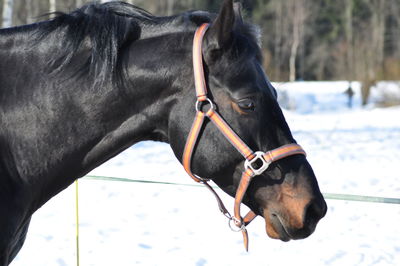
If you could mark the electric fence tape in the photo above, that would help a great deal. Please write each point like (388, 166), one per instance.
(332, 196)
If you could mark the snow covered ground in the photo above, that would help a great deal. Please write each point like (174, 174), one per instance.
(352, 151)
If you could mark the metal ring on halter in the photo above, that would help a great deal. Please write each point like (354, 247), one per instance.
(259, 155)
(234, 227)
(199, 103)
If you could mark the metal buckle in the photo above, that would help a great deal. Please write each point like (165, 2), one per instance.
(233, 225)
(261, 169)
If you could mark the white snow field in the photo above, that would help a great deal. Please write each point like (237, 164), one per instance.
(352, 151)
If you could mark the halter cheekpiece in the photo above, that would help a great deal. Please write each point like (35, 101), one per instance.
(255, 162)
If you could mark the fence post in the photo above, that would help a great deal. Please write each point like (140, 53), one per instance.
(77, 220)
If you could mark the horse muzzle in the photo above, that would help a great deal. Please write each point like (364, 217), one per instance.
(297, 221)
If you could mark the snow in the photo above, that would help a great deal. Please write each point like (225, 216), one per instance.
(352, 151)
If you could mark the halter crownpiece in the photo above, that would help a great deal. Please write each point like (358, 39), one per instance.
(255, 164)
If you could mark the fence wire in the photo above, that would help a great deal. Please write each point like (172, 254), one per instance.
(331, 196)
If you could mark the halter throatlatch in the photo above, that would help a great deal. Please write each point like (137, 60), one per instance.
(255, 162)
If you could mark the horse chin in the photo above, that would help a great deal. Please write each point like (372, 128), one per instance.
(275, 228)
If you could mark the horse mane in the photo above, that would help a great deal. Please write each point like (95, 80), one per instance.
(111, 27)
(105, 28)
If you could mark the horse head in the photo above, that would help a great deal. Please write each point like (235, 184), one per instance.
(287, 193)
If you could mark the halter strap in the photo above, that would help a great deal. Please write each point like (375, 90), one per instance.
(200, 81)
(253, 160)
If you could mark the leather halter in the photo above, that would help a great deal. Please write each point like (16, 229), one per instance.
(253, 160)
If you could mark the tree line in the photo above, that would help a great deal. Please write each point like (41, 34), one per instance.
(302, 39)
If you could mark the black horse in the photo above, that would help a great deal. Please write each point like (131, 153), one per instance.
(78, 89)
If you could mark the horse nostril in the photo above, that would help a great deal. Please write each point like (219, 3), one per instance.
(315, 211)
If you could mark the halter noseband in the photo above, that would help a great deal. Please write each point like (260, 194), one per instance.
(253, 160)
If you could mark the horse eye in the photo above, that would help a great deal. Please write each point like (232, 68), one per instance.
(246, 104)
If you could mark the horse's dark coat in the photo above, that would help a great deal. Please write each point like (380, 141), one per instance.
(79, 89)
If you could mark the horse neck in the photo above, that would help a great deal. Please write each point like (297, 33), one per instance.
(59, 130)
(13, 45)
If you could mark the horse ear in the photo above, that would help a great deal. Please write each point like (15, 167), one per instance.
(219, 35)
(237, 7)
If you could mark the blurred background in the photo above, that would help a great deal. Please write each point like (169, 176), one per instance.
(302, 39)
